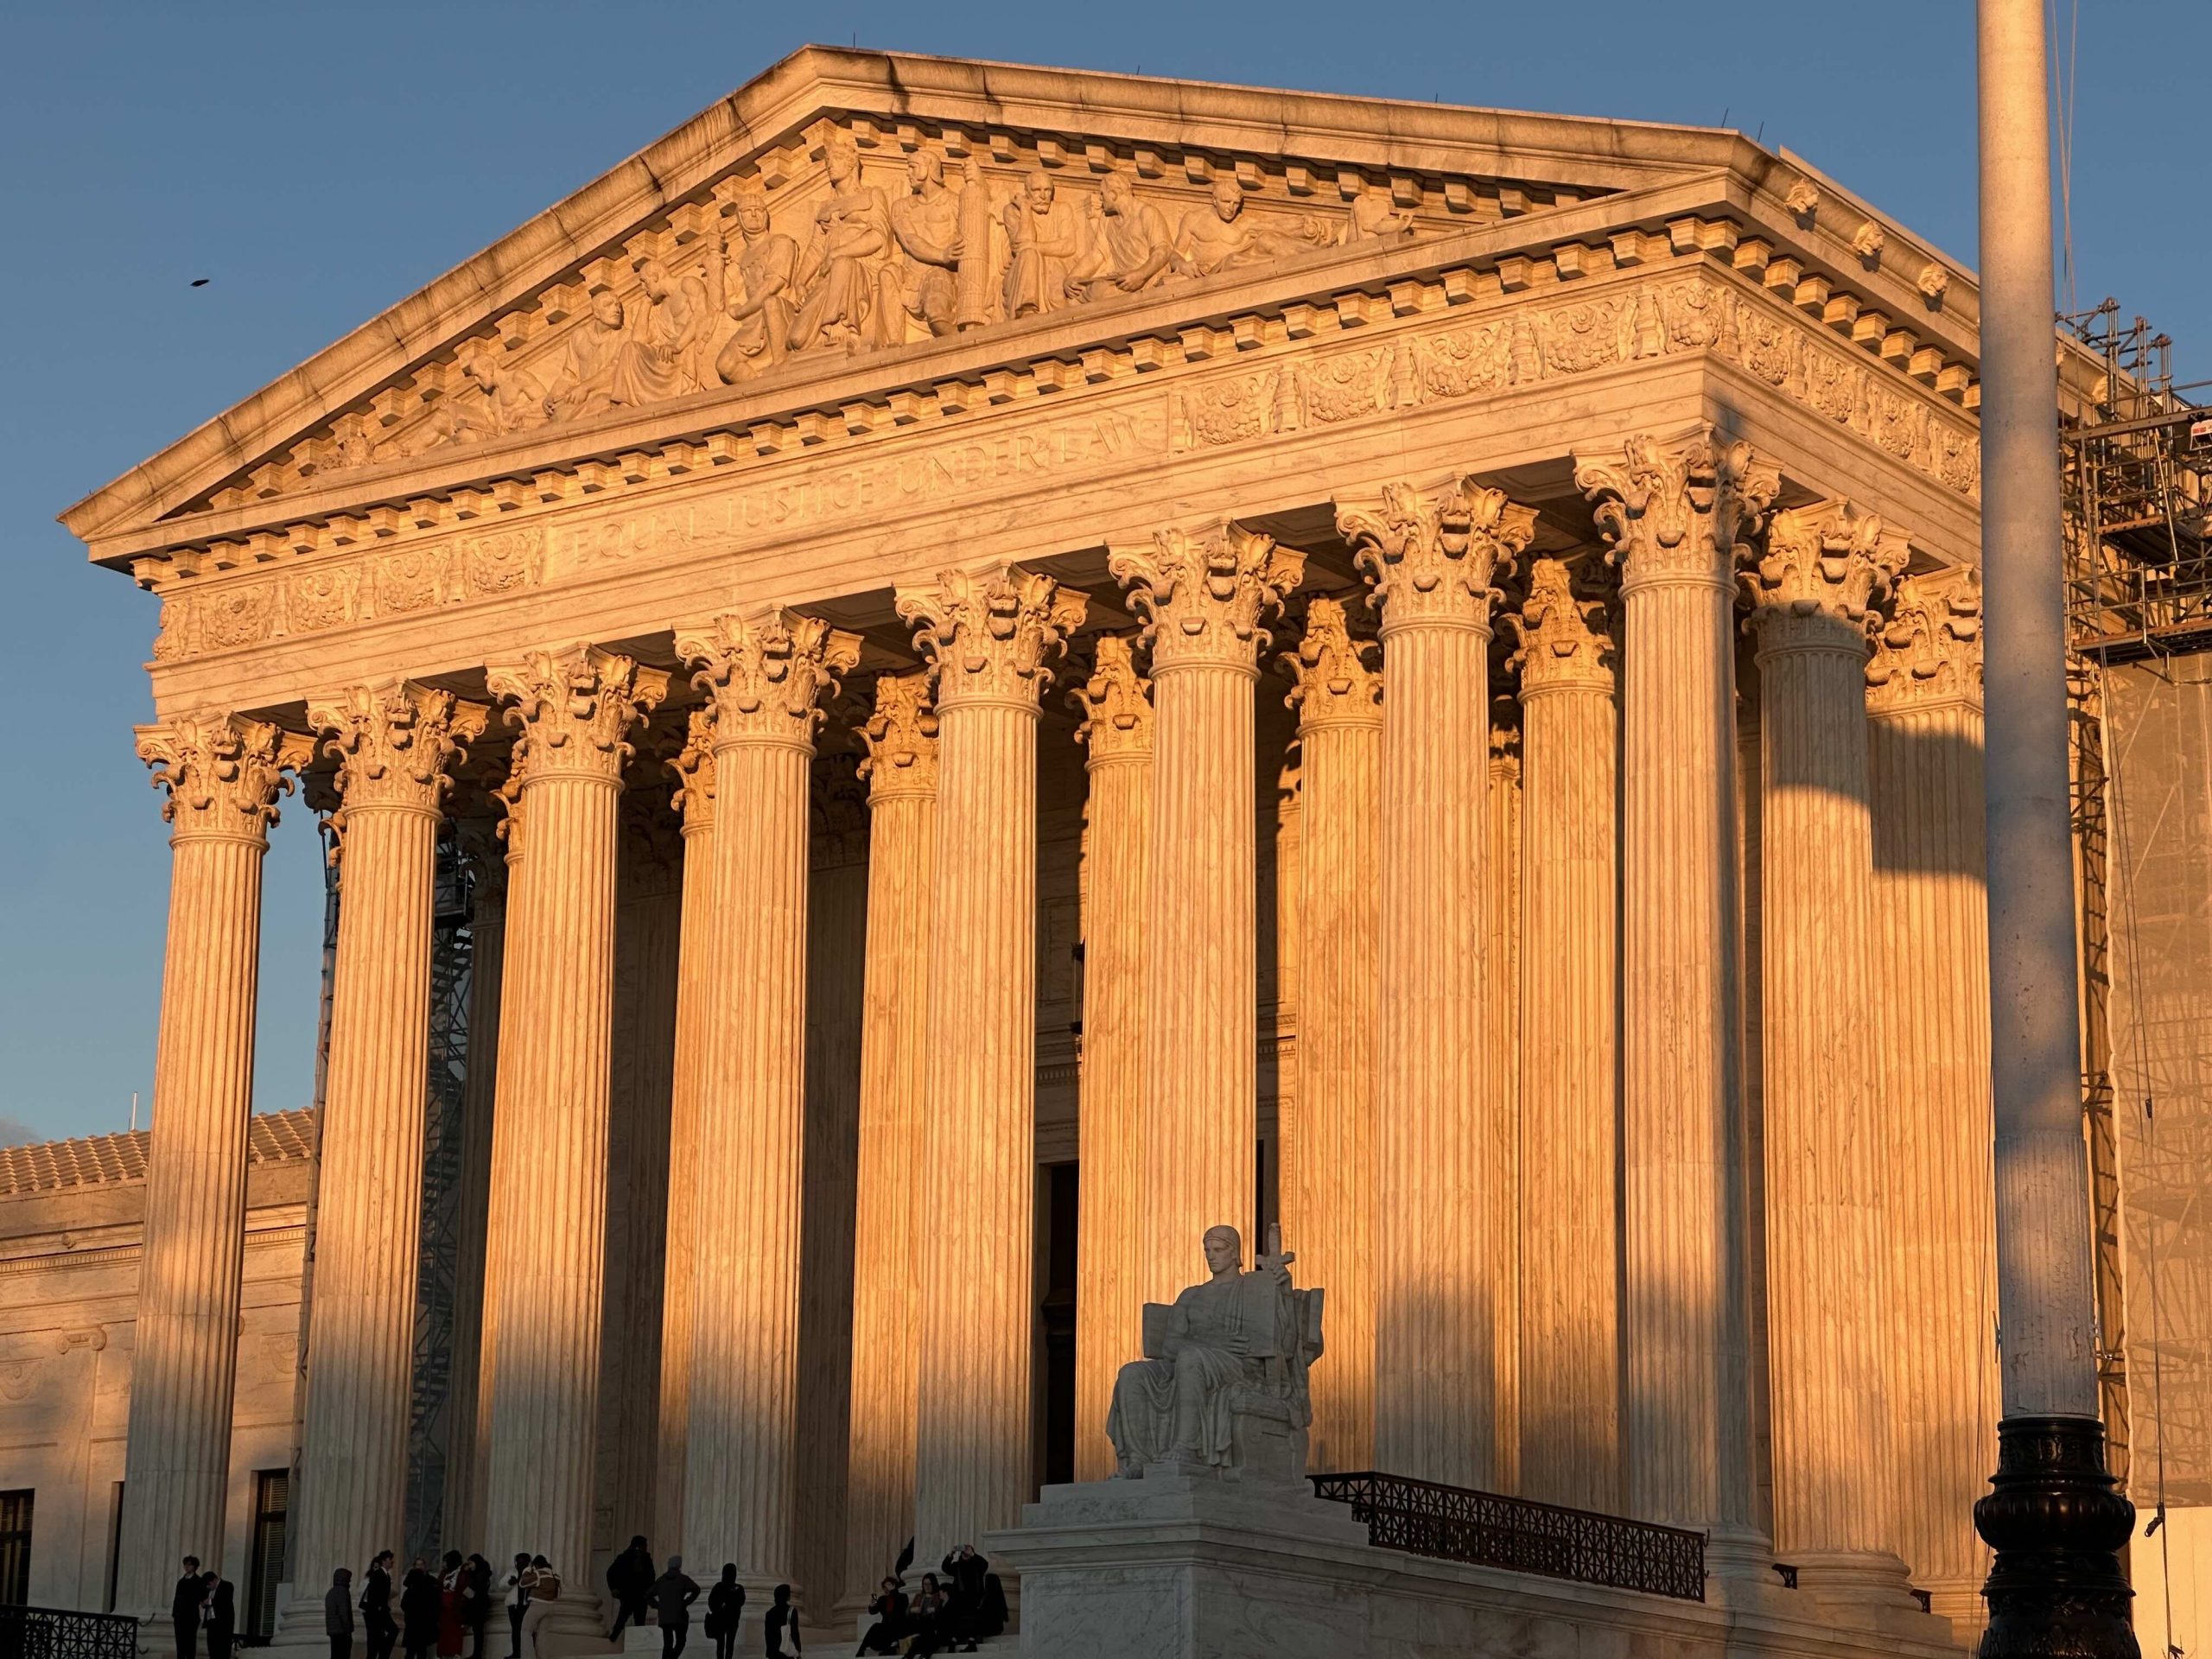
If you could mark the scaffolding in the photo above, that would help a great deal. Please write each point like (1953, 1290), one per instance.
(2138, 487)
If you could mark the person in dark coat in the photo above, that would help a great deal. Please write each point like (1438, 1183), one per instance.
(377, 1624)
(889, 1610)
(222, 1615)
(671, 1596)
(338, 1613)
(925, 1617)
(418, 1610)
(184, 1608)
(479, 1603)
(781, 1626)
(966, 1570)
(725, 1610)
(518, 1583)
(629, 1583)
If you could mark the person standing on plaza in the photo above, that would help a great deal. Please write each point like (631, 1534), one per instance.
(453, 1606)
(544, 1603)
(338, 1613)
(782, 1623)
(629, 1582)
(518, 1586)
(184, 1608)
(221, 1615)
(418, 1610)
(478, 1607)
(672, 1593)
(725, 1610)
(377, 1622)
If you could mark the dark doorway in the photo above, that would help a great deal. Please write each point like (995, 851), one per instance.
(1056, 1317)
(273, 1489)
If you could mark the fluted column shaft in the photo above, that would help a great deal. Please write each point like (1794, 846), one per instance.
(1205, 593)
(1672, 514)
(1502, 1003)
(1431, 554)
(392, 744)
(572, 709)
(1328, 1180)
(987, 636)
(1570, 1419)
(1932, 1056)
(694, 767)
(889, 1291)
(222, 774)
(768, 673)
(1117, 733)
(1827, 1268)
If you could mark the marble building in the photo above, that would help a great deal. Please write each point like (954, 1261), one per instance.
(1020, 652)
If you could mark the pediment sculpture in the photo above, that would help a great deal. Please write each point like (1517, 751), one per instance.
(1222, 1384)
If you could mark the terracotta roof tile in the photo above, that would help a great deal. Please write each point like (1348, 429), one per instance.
(276, 1138)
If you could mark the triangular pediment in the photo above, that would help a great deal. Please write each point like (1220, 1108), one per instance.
(1060, 189)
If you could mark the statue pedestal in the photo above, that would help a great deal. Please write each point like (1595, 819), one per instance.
(1186, 1564)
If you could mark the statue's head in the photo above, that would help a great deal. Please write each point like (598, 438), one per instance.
(751, 211)
(1228, 197)
(1038, 187)
(1224, 1249)
(1116, 194)
(927, 168)
(606, 306)
(841, 158)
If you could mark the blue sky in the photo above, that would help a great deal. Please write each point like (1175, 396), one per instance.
(318, 162)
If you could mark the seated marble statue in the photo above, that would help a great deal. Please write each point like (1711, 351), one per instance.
(1223, 1381)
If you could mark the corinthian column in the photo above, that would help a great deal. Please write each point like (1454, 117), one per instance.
(987, 636)
(1431, 556)
(1204, 593)
(1932, 1056)
(1570, 1246)
(1826, 1137)
(1328, 1145)
(694, 800)
(889, 1290)
(223, 774)
(1502, 1005)
(1117, 731)
(768, 672)
(1672, 513)
(571, 708)
(393, 744)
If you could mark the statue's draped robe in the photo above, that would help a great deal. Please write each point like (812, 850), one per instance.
(1216, 1336)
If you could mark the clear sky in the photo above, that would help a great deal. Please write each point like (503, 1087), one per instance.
(318, 162)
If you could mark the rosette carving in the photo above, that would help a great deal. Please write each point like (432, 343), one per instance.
(394, 743)
(572, 709)
(694, 766)
(1434, 554)
(1203, 594)
(901, 733)
(1677, 511)
(222, 773)
(1929, 651)
(990, 634)
(1824, 568)
(1565, 632)
(1115, 702)
(769, 673)
(1335, 683)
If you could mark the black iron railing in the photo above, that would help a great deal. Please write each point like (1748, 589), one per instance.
(1454, 1524)
(60, 1633)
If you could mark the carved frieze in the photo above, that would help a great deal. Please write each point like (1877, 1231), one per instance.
(1929, 651)
(1115, 703)
(1204, 593)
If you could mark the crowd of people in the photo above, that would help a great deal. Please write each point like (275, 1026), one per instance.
(444, 1612)
(947, 1615)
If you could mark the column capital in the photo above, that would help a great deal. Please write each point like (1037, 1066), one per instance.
(1676, 510)
(769, 672)
(901, 733)
(1565, 631)
(1335, 681)
(694, 766)
(1116, 704)
(1929, 653)
(1824, 567)
(1433, 554)
(222, 773)
(1203, 593)
(1504, 740)
(990, 634)
(482, 840)
(572, 708)
(395, 742)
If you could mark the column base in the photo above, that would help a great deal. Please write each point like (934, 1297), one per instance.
(2056, 1518)
(1868, 1586)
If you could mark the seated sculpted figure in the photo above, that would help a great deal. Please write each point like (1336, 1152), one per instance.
(1223, 1384)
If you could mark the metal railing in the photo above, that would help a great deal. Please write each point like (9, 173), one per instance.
(60, 1633)
(1453, 1524)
